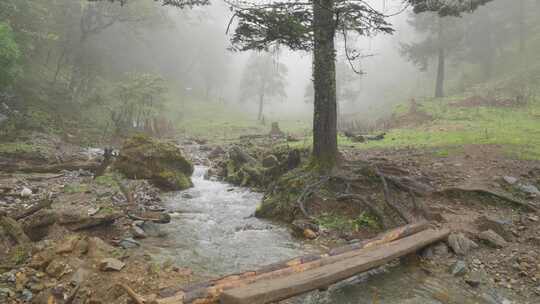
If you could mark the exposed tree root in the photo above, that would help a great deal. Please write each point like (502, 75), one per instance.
(367, 205)
(498, 195)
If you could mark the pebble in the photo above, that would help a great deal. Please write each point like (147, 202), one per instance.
(459, 268)
(111, 264)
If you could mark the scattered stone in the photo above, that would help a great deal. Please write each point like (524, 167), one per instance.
(93, 211)
(493, 239)
(79, 276)
(460, 244)
(26, 192)
(299, 226)
(56, 268)
(270, 161)
(187, 195)
(459, 268)
(129, 243)
(111, 264)
(440, 249)
(153, 230)
(27, 295)
(475, 278)
(6, 293)
(500, 226)
(529, 189)
(67, 246)
(510, 180)
(310, 234)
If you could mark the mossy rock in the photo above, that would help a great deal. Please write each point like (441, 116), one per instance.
(160, 162)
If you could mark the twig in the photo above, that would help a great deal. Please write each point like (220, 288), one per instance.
(134, 296)
(72, 294)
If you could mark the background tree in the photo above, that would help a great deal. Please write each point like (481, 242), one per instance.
(263, 79)
(442, 37)
(313, 26)
(139, 99)
(9, 56)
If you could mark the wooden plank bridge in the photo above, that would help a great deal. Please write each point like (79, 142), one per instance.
(293, 277)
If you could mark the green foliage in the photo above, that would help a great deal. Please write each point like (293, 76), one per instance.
(141, 98)
(342, 223)
(9, 56)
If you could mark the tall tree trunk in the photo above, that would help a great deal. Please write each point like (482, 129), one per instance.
(439, 84)
(261, 107)
(522, 27)
(324, 82)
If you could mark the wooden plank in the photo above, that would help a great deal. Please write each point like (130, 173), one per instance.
(209, 292)
(283, 288)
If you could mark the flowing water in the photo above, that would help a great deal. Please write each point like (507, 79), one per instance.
(214, 234)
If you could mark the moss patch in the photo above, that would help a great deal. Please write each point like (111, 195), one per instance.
(161, 162)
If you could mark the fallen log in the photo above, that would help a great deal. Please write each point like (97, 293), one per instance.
(45, 203)
(209, 292)
(51, 168)
(285, 287)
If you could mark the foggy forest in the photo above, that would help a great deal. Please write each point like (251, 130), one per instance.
(270, 151)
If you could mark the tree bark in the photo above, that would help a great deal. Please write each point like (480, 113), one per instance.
(324, 82)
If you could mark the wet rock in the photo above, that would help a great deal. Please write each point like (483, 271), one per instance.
(79, 221)
(270, 161)
(137, 232)
(111, 264)
(460, 244)
(153, 230)
(216, 152)
(459, 268)
(160, 162)
(491, 238)
(187, 195)
(500, 226)
(129, 243)
(510, 180)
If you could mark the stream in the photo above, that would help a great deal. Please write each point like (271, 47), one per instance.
(213, 233)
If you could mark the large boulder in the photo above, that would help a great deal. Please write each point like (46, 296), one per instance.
(160, 162)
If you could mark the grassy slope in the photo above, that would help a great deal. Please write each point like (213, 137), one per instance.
(219, 121)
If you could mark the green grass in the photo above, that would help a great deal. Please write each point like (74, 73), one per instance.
(222, 122)
(17, 147)
(76, 188)
(517, 130)
(342, 223)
